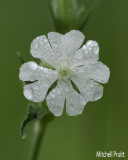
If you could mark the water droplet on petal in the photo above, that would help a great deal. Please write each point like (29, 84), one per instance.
(89, 42)
(84, 47)
(28, 93)
(32, 65)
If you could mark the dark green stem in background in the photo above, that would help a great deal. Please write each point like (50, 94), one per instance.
(39, 135)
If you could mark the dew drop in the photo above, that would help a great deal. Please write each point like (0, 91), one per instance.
(89, 42)
(32, 65)
(28, 93)
(84, 47)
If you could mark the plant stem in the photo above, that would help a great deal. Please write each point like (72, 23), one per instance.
(40, 128)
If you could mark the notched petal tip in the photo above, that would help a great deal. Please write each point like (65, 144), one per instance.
(65, 46)
(76, 33)
(75, 102)
(27, 71)
(40, 48)
(91, 90)
(54, 34)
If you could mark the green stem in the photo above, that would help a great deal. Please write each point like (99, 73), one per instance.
(40, 128)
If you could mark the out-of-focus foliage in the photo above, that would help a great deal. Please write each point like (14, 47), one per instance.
(70, 14)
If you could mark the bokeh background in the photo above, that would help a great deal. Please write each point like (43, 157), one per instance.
(103, 124)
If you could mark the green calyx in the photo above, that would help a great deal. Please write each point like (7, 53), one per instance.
(70, 14)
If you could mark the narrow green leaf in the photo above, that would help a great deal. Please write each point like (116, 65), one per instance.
(31, 116)
(35, 112)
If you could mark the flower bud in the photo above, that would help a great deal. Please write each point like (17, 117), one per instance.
(69, 14)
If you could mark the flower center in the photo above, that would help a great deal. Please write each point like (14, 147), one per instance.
(64, 70)
(64, 74)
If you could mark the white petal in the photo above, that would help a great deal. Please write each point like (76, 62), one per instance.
(88, 53)
(30, 71)
(37, 91)
(40, 48)
(56, 99)
(91, 90)
(74, 102)
(66, 45)
(96, 71)
(56, 41)
(73, 41)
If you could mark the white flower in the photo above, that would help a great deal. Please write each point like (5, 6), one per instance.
(72, 65)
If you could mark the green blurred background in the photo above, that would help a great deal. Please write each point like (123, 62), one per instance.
(103, 124)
